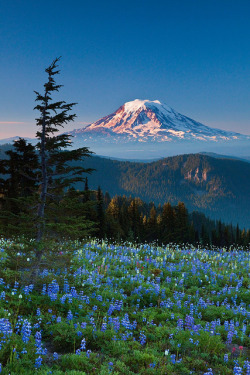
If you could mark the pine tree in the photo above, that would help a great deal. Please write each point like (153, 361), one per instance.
(40, 181)
(113, 226)
(214, 237)
(221, 241)
(204, 236)
(243, 237)
(58, 166)
(167, 223)
(20, 168)
(237, 235)
(20, 183)
(113, 208)
(125, 220)
(182, 228)
(106, 200)
(69, 216)
(86, 190)
(192, 234)
(100, 213)
(152, 231)
(247, 238)
(134, 216)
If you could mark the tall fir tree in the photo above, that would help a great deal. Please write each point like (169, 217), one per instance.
(58, 165)
(37, 180)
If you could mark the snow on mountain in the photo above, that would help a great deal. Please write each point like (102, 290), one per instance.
(146, 120)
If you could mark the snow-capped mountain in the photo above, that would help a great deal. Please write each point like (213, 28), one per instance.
(145, 129)
(145, 121)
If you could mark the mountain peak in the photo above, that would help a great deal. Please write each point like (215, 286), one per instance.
(136, 104)
(144, 105)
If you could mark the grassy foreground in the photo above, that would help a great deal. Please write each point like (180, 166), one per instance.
(104, 309)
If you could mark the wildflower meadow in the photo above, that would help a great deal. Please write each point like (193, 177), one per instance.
(124, 309)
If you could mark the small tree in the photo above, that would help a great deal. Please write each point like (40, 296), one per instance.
(19, 183)
(20, 169)
(38, 179)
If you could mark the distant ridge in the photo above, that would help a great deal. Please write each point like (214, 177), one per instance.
(219, 156)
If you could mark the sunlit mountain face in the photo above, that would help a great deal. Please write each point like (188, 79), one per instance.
(146, 120)
(145, 129)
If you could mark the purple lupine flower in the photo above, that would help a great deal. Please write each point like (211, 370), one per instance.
(247, 367)
(44, 289)
(38, 362)
(88, 353)
(172, 358)
(142, 338)
(210, 372)
(230, 337)
(55, 356)
(180, 324)
(26, 331)
(237, 370)
(110, 366)
(70, 315)
(83, 344)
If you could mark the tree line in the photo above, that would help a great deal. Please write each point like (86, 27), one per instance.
(131, 219)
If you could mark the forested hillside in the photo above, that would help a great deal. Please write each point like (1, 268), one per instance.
(217, 187)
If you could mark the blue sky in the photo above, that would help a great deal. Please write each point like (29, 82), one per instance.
(193, 55)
